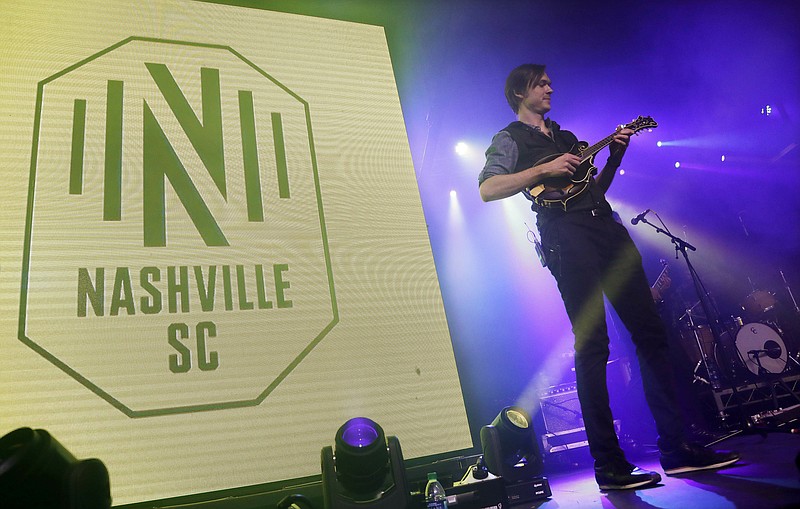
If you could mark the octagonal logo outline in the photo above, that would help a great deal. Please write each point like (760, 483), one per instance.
(91, 386)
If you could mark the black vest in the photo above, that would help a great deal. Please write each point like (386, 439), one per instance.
(533, 145)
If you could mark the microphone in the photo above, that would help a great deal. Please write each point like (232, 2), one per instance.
(772, 351)
(638, 218)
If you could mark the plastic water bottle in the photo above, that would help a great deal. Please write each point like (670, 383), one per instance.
(435, 497)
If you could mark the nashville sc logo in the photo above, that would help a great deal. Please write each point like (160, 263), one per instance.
(176, 256)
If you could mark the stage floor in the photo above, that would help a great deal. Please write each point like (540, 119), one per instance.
(766, 477)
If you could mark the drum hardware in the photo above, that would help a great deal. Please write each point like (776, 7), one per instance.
(703, 344)
(690, 313)
(773, 351)
(712, 373)
(696, 377)
(794, 359)
(789, 291)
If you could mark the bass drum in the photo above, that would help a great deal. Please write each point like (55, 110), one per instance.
(760, 344)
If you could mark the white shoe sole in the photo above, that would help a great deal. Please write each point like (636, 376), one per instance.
(686, 469)
(614, 487)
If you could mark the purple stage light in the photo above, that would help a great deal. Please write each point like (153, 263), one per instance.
(364, 469)
(361, 456)
(359, 432)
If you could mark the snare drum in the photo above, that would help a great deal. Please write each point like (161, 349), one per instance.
(758, 343)
(758, 303)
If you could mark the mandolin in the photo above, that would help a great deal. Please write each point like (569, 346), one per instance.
(560, 190)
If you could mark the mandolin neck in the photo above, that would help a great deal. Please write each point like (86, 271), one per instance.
(597, 147)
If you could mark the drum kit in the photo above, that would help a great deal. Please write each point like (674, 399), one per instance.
(737, 353)
(751, 347)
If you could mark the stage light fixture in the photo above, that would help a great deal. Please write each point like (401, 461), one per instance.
(510, 449)
(364, 469)
(36, 471)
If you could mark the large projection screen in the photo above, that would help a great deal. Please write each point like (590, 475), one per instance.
(213, 247)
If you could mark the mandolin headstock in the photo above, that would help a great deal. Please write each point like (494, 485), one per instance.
(641, 123)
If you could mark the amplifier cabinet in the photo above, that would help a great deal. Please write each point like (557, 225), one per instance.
(561, 410)
(563, 420)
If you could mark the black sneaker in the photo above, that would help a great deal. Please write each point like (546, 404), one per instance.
(621, 475)
(691, 457)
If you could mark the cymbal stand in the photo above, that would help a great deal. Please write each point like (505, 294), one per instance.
(789, 291)
(796, 310)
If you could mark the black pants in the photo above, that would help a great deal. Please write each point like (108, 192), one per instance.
(591, 256)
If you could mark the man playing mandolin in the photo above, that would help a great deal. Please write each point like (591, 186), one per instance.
(591, 254)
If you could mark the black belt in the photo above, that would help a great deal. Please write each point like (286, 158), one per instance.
(596, 212)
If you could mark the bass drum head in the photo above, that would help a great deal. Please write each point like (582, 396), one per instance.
(759, 343)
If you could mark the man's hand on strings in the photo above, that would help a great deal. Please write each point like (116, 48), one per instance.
(562, 166)
(620, 144)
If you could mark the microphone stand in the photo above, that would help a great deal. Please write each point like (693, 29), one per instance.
(712, 315)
